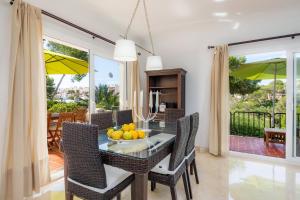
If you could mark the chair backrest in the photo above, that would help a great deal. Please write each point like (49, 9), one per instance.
(64, 117)
(194, 121)
(80, 115)
(48, 121)
(172, 114)
(80, 144)
(103, 120)
(124, 117)
(182, 136)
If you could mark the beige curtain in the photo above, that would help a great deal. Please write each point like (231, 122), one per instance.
(219, 106)
(134, 86)
(25, 155)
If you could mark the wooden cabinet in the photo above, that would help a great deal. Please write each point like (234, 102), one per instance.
(171, 86)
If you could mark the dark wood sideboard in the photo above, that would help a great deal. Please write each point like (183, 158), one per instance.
(171, 85)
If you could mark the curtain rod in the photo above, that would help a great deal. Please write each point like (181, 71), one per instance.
(94, 35)
(261, 39)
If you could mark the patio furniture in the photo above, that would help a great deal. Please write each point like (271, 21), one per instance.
(124, 117)
(50, 135)
(88, 177)
(274, 135)
(172, 114)
(190, 150)
(56, 128)
(138, 158)
(80, 115)
(171, 168)
(102, 119)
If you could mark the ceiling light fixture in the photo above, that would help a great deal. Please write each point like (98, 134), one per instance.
(125, 49)
(220, 14)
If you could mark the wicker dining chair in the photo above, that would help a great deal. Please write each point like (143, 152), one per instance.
(56, 129)
(172, 167)
(88, 177)
(103, 120)
(80, 115)
(124, 117)
(172, 114)
(190, 150)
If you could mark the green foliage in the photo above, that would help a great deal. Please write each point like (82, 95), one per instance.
(50, 85)
(237, 85)
(66, 50)
(63, 107)
(105, 98)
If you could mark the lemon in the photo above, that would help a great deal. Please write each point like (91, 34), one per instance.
(126, 127)
(132, 126)
(141, 134)
(109, 132)
(116, 135)
(127, 135)
(134, 134)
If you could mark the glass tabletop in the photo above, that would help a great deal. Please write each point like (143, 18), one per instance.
(159, 136)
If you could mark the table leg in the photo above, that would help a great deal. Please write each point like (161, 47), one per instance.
(267, 139)
(139, 188)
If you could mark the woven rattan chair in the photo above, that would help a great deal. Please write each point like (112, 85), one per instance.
(88, 177)
(103, 120)
(190, 150)
(56, 128)
(172, 114)
(124, 117)
(172, 167)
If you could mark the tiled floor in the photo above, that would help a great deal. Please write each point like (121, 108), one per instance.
(56, 160)
(254, 145)
(230, 178)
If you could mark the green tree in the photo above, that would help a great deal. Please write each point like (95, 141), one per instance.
(238, 85)
(50, 85)
(106, 98)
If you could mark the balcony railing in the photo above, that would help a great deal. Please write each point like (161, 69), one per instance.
(253, 123)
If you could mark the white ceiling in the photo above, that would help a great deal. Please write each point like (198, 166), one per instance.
(106, 15)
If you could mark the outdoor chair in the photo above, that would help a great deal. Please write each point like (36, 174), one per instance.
(88, 177)
(56, 128)
(173, 166)
(124, 117)
(80, 115)
(190, 150)
(173, 114)
(103, 120)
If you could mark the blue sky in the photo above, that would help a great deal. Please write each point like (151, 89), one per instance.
(103, 67)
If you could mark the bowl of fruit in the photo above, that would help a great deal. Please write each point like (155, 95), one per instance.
(127, 132)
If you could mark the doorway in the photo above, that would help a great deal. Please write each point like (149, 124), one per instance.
(258, 104)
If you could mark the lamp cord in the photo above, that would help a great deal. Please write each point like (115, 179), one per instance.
(132, 17)
(147, 21)
(148, 26)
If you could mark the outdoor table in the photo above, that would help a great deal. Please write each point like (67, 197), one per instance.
(274, 135)
(138, 156)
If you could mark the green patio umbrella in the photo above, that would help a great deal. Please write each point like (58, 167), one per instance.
(261, 70)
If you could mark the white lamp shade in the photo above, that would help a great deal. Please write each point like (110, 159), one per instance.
(154, 63)
(125, 50)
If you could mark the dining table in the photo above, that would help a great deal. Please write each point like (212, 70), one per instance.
(136, 156)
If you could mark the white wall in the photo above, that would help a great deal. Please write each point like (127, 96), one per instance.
(187, 48)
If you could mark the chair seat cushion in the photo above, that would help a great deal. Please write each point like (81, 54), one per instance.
(114, 176)
(163, 166)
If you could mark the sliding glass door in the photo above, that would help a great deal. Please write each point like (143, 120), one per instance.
(105, 84)
(296, 135)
